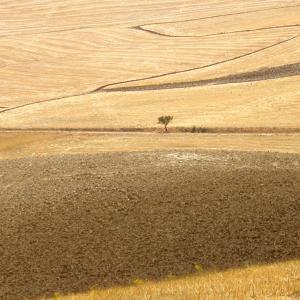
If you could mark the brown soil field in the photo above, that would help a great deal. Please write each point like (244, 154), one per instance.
(73, 222)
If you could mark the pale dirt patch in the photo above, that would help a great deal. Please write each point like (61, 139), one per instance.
(24, 144)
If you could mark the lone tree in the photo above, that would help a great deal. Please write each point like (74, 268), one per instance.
(165, 120)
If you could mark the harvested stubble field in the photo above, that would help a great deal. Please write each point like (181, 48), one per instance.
(114, 64)
(70, 223)
(276, 282)
(36, 143)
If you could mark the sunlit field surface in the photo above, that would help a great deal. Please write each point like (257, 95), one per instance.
(29, 144)
(97, 202)
(277, 282)
(118, 64)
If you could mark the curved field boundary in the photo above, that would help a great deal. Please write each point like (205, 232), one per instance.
(223, 15)
(104, 87)
(201, 67)
(43, 101)
(259, 75)
(149, 24)
(213, 34)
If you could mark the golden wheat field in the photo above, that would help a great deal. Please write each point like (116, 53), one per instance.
(276, 282)
(121, 64)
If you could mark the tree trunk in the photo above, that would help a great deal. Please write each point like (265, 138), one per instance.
(166, 128)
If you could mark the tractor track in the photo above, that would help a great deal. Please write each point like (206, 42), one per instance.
(259, 75)
(141, 28)
(104, 88)
(219, 16)
(201, 67)
(149, 24)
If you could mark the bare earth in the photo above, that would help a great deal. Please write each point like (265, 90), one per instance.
(69, 223)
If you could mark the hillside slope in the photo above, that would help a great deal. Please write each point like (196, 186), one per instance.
(59, 56)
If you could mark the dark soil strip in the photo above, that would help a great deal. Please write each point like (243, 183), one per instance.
(178, 129)
(259, 75)
(104, 87)
(201, 67)
(141, 28)
(213, 34)
(70, 223)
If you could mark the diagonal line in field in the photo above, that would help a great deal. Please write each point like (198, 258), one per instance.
(141, 28)
(149, 24)
(102, 88)
(222, 15)
(282, 71)
(201, 67)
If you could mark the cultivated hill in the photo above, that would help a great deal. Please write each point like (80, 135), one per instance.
(111, 64)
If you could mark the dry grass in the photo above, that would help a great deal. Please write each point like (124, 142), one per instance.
(282, 54)
(279, 281)
(52, 49)
(272, 103)
(23, 144)
(242, 22)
